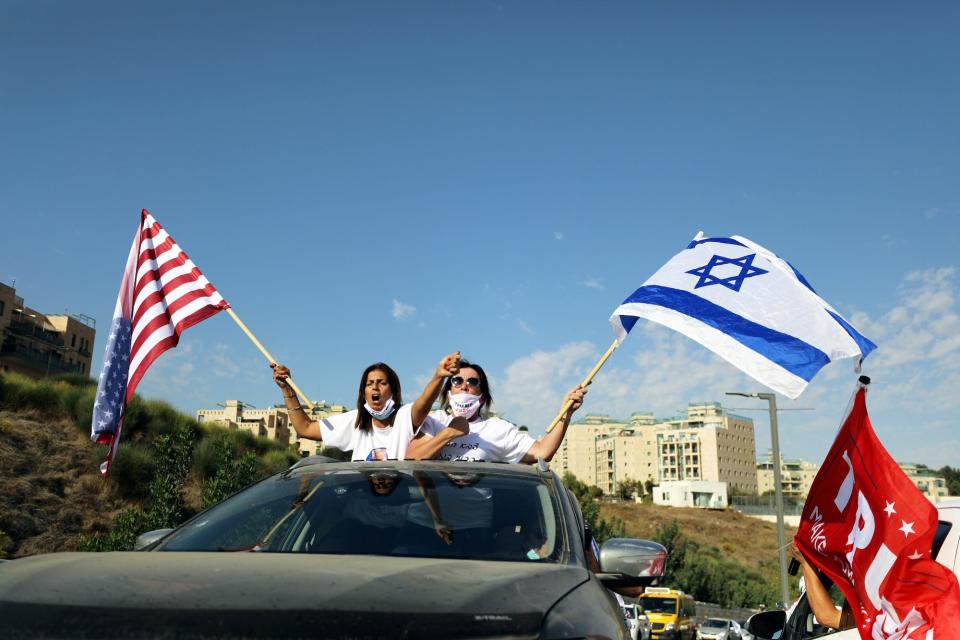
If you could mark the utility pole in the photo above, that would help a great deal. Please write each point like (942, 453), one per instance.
(777, 486)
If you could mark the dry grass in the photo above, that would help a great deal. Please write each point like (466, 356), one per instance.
(50, 487)
(748, 541)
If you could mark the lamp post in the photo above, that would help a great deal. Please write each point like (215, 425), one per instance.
(777, 487)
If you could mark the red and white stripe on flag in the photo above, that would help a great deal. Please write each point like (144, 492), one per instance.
(169, 295)
(870, 530)
(162, 293)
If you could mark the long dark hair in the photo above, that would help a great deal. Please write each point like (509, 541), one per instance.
(364, 419)
(484, 387)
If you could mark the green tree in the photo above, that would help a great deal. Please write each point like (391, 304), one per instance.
(628, 488)
(588, 496)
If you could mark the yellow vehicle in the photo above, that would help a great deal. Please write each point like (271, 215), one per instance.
(672, 613)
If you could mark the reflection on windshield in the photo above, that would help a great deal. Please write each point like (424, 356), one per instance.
(384, 512)
(658, 605)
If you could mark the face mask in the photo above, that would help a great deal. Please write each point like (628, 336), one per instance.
(384, 413)
(464, 404)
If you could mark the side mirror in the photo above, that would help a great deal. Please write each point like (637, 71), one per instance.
(767, 625)
(144, 540)
(631, 562)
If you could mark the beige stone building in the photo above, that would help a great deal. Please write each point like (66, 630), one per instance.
(272, 422)
(628, 454)
(796, 476)
(40, 345)
(708, 444)
(930, 484)
(578, 451)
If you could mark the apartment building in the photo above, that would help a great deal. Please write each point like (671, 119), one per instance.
(796, 476)
(38, 345)
(928, 481)
(628, 454)
(272, 422)
(578, 451)
(707, 444)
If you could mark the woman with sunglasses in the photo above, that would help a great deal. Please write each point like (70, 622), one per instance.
(381, 426)
(465, 433)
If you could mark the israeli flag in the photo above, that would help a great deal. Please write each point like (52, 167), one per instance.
(747, 305)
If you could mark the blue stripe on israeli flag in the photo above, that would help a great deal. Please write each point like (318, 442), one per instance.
(796, 356)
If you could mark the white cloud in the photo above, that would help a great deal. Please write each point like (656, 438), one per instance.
(402, 310)
(533, 386)
(523, 326)
(558, 235)
(593, 283)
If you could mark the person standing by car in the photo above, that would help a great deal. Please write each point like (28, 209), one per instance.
(381, 426)
(467, 395)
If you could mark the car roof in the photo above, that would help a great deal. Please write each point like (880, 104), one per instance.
(499, 468)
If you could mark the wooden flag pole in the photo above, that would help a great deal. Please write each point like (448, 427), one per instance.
(266, 354)
(586, 381)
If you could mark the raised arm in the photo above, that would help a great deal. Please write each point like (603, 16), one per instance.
(547, 446)
(421, 406)
(425, 447)
(818, 597)
(302, 424)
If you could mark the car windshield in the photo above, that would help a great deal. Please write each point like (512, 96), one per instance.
(658, 605)
(713, 623)
(384, 511)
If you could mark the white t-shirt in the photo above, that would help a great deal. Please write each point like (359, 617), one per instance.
(490, 440)
(340, 431)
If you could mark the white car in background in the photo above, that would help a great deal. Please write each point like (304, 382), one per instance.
(717, 629)
(637, 622)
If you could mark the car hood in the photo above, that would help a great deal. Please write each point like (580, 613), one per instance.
(193, 595)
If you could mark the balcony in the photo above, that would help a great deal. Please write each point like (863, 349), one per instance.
(48, 362)
(33, 330)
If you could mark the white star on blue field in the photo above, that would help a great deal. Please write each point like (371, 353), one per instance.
(747, 270)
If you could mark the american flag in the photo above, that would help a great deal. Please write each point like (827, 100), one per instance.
(161, 294)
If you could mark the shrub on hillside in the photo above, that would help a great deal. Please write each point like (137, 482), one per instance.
(230, 472)
(133, 470)
(276, 461)
(152, 418)
(19, 393)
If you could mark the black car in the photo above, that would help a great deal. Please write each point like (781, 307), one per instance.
(347, 550)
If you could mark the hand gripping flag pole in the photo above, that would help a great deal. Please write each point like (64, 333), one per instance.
(266, 354)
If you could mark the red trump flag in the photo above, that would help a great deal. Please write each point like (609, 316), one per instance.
(870, 530)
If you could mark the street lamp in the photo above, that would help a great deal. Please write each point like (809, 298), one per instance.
(777, 488)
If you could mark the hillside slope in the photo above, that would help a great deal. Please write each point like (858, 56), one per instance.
(747, 541)
(50, 486)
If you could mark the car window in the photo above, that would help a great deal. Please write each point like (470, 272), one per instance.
(943, 528)
(658, 605)
(428, 513)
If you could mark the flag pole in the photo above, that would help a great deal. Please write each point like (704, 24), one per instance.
(586, 381)
(266, 354)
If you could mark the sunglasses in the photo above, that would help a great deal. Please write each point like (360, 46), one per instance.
(459, 381)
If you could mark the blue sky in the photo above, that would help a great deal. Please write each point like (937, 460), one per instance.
(394, 181)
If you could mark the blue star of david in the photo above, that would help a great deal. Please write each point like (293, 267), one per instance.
(747, 270)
